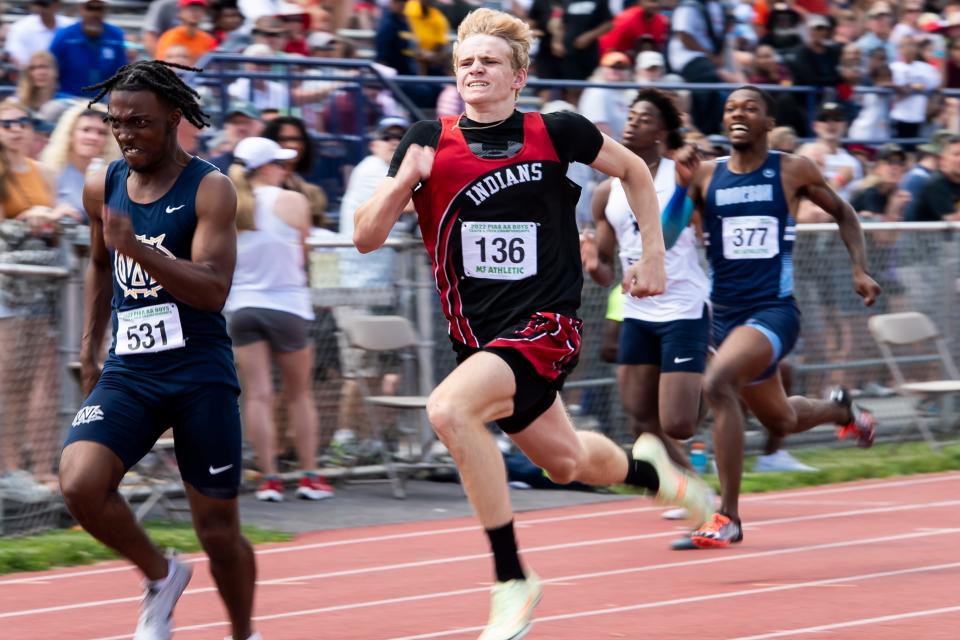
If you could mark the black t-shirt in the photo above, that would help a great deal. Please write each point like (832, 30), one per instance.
(575, 138)
(870, 199)
(940, 196)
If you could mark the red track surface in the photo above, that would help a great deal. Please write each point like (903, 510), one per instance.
(874, 560)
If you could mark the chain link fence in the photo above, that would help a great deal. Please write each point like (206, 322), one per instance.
(918, 265)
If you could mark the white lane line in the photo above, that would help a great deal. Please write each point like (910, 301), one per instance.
(588, 576)
(852, 623)
(704, 598)
(479, 556)
(521, 520)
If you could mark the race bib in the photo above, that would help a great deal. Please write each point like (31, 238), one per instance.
(149, 330)
(499, 250)
(751, 237)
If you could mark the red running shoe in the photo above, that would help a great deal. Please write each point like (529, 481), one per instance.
(719, 532)
(863, 424)
(313, 487)
(270, 490)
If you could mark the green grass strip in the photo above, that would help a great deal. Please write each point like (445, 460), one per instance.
(67, 548)
(844, 465)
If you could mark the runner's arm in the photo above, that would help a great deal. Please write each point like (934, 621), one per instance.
(602, 269)
(617, 161)
(816, 189)
(97, 286)
(204, 280)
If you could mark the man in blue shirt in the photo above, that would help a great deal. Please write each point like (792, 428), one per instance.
(88, 51)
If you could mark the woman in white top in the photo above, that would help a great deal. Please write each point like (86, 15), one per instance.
(663, 339)
(271, 313)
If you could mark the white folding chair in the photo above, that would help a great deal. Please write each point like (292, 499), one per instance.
(912, 328)
(382, 335)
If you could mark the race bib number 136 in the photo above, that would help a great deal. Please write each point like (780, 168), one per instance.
(149, 330)
(499, 250)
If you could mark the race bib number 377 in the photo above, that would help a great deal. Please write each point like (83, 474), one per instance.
(751, 237)
(499, 250)
(149, 330)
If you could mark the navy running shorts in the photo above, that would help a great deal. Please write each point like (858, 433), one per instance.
(675, 345)
(128, 414)
(541, 351)
(777, 320)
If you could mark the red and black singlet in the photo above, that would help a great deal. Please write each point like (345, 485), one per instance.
(501, 232)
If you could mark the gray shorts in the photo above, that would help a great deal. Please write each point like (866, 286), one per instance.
(286, 332)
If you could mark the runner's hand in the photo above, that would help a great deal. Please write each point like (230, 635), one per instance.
(589, 255)
(89, 374)
(687, 161)
(646, 277)
(416, 166)
(118, 232)
(866, 287)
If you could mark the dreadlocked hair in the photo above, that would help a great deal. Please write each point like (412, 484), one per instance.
(159, 78)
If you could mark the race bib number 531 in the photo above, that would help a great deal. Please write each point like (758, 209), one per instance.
(149, 330)
(751, 237)
(499, 250)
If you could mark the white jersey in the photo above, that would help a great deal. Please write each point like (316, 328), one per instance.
(687, 286)
(270, 272)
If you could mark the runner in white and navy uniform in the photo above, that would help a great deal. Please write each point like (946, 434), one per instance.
(746, 203)
(496, 212)
(663, 339)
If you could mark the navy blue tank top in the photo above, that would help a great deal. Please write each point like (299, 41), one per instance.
(153, 333)
(749, 234)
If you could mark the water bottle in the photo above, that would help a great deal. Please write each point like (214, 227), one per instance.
(698, 457)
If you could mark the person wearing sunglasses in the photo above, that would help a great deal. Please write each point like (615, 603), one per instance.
(291, 133)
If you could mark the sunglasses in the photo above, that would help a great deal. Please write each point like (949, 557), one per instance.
(95, 8)
(831, 119)
(387, 137)
(269, 34)
(289, 139)
(21, 122)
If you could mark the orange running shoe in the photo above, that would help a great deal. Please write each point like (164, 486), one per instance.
(719, 532)
(862, 425)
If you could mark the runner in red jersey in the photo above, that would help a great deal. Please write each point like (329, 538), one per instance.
(497, 216)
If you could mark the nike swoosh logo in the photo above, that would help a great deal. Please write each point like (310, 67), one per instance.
(681, 360)
(215, 470)
(172, 209)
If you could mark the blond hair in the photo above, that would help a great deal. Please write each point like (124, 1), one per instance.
(30, 94)
(56, 155)
(489, 22)
(246, 201)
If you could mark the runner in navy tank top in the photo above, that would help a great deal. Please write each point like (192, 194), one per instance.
(746, 203)
(497, 215)
(163, 242)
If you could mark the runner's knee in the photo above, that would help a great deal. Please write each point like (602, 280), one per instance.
(679, 427)
(719, 388)
(83, 493)
(563, 469)
(218, 535)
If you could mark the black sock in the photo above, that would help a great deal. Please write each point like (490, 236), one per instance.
(641, 473)
(505, 557)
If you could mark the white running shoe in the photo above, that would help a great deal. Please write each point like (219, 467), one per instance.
(511, 607)
(255, 636)
(675, 514)
(156, 612)
(781, 460)
(677, 486)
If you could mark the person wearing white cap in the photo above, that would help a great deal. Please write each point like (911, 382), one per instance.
(270, 311)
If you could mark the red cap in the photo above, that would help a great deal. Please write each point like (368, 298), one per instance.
(188, 3)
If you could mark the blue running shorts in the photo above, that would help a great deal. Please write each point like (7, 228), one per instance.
(676, 345)
(777, 320)
(128, 414)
